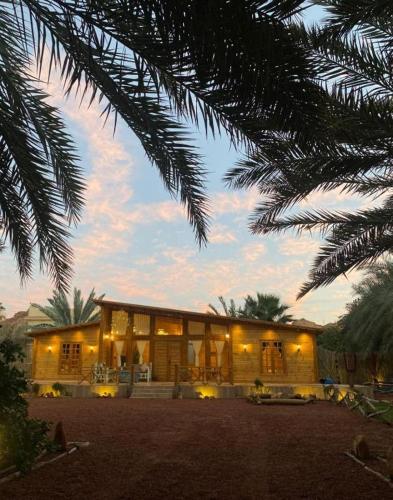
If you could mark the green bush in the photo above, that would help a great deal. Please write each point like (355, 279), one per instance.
(59, 388)
(22, 439)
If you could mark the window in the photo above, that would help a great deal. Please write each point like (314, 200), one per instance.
(272, 357)
(119, 322)
(141, 324)
(70, 356)
(169, 326)
(196, 328)
(218, 330)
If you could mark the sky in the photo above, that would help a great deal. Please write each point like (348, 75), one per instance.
(135, 245)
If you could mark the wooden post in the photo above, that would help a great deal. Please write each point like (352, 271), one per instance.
(316, 360)
(207, 352)
(176, 375)
(230, 353)
(105, 325)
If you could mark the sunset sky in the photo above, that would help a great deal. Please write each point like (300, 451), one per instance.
(134, 243)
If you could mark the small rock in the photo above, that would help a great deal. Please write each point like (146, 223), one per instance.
(360, 447)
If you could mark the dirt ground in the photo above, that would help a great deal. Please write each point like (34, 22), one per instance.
(216, 449)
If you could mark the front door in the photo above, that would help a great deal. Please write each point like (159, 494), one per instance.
(167, 354)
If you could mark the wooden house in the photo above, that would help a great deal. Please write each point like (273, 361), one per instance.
(133, 343)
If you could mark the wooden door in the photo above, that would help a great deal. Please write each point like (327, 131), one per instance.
(167, 354)
(174, 358)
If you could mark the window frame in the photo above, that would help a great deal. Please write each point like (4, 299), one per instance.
(61, 358)
(275, 346)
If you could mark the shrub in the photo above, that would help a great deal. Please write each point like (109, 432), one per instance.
(22, 439)
(59, 388)
(258, 383)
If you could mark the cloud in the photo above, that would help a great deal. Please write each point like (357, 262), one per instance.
(253, 251)
(221, 234)
(298, 246)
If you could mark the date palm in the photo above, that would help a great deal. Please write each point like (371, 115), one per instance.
(236, 66)
(228, 309)
(368, 323)
(265, 306)
(352, 55)
(61, 312)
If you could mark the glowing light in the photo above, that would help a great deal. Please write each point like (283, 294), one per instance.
(105, 390)
(227, 335)
(245, 347)
(49, 348)
(106, 336)
(298, 347)
(206, 391)
(91, 349)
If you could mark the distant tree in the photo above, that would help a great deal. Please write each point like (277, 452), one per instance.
(332, 338)
(2, 311)
(229, 309)
(61, 312)
(368, 323)
(265, 306)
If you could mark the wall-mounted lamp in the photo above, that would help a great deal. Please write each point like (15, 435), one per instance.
(106, 336)
(91, 349)
(298, 348)
(227, 336)
(244, 347)
(49, 349)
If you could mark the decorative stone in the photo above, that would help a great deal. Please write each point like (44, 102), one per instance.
(360, 447)
(59, 438)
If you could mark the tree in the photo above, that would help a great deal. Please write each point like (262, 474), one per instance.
(368, 323)
(352, 54)
(229, 310)
(61, 312)
(22, 438)
(237, 66)
(265, 306)
(2, 312)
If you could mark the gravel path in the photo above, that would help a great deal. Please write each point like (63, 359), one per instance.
(216, 449)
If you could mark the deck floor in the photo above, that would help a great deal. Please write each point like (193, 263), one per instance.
(213, 449)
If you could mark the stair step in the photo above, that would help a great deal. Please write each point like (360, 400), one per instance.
(146, 392)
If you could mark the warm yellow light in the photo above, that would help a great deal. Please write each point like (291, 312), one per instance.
(106, 336)
(227, 335)
(91, 349)
(49, 348)
(298, 347)
(209, 391)
(245, 347)
(105, 390)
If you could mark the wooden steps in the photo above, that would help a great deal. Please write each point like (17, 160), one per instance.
(152, 392)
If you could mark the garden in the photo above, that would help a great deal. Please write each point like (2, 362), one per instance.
(204, 449)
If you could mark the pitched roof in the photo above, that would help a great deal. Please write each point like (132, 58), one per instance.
(206, 316)
(44, 331)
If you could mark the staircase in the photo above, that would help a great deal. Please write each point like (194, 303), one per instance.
(152, 392)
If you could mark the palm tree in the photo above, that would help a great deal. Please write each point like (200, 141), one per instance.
(229, 309)
(61, 312)
(265, 306)
(368, 323)
(352, 55)
(238, 66)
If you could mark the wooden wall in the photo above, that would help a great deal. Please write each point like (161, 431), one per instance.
(46, 362)
(300, 366)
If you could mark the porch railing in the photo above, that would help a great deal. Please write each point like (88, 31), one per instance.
(193, 374)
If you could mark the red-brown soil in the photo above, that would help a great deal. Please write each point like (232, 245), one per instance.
(216, 449)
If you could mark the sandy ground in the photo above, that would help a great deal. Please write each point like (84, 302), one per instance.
(216, 449)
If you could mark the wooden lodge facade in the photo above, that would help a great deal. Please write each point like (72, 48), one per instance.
(135, 343)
